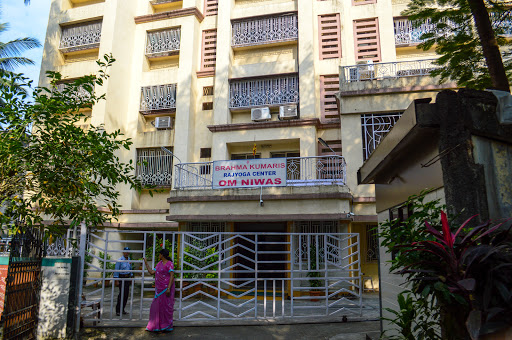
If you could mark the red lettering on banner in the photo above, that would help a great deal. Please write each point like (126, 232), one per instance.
(245, 182)
(277, 181)
(259, 181)
(222, 183)
(232, 183)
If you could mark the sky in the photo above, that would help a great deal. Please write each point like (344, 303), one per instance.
(26, 21)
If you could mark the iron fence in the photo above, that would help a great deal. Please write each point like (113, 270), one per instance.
(81, 36)
(249, 32)
(247, 93)
(379, 71)
(163, 41)
(158, 97)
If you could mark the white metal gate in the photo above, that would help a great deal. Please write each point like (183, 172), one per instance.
(226, 276)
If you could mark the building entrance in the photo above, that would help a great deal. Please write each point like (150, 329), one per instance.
(269, 259)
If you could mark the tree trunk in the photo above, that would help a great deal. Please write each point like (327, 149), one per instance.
(489, 44)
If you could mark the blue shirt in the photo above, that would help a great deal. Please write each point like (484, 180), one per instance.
(124, 267)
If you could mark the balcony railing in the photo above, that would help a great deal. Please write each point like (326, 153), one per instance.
(81, 36)
(379, 71)
(267, 91)
(406, 33)
(154, 167)
(159, 97)
(80, 93)
(266, 30)
(301, 171)
(167, 41)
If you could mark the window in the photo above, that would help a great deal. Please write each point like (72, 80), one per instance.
(329, 36)
(367, 41)
(208, 91)
(372, 243)
(329, 86)
(159, 97)
(154, 166)
(292, 163)
(207, 106)
(334, 144)
(205, 153)
(208, 53)
(400, 214)
(320, 243)
(83, 36)
(163, 42)
(211, 7)
(245, 156)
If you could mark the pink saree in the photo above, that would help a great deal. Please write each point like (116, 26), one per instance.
(162, 307)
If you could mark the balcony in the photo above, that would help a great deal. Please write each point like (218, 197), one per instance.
(300, 171)
(163, 43)
(380, 71)
(154, 167)
(154, 99)
(264, 30)
(80, 37)
(406, 34)
(81, 94)
(271, 91)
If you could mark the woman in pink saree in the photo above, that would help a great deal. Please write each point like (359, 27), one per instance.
(162, 307)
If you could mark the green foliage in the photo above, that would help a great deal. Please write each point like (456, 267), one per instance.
(159, 246)
(208, 259)
(314, 283)
(109, 266)
(455, 39)
(416, 319)
(87, 261)
(463, 272)
(11, 51)
(66, 174)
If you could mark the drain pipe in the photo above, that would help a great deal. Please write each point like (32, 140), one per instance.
(261, 196)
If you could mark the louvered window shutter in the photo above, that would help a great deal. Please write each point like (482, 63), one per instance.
(329, 36)
(209, 50)
(211, 7)
(329, 86)
(366, 36)
(334, 144)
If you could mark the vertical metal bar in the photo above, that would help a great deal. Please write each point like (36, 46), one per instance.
(83, 240)
(274, 298)
(326, 278)
(142, 284)
(182, 246)
(256, 277)
(282, 298)
(218, 275)
(264, 298)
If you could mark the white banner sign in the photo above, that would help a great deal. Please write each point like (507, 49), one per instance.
(248, 173)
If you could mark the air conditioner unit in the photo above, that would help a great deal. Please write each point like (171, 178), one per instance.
(260, 113)
(288, 112)
(164, 122)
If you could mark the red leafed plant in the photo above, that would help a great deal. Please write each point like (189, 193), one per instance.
(468, 273)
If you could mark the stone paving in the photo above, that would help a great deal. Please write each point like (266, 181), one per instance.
(332, 331)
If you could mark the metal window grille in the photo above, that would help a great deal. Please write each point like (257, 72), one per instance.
(329, 86)
(207, 106)
(367, 40)
(80, 94)
(208, 91)
(306, 244)
(154, 167)
(159, 97)
(372, 243)
(329, 35)
(374, 128)
(264, 30)
(81, 36)
(406, 33)
(163, 41)
(267, 91)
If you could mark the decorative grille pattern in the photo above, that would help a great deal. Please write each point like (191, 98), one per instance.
(81, 36)
(154, 167)
(329, 36)
(367, 39)
(211, 7)
(79, 94)
(313, 228)
(228, 276)
(377, 71)
(267, 91)
(372, 243)
(163, 41)
(159, 97)
(209, 50)
(264, 30)
(329, 86)
(374, 128)
(406, 33)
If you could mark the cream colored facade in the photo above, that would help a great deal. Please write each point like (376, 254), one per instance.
(210, 121)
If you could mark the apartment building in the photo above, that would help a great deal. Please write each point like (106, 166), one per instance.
(316, 83)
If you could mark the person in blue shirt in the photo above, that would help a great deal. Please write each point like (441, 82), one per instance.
(125, 271)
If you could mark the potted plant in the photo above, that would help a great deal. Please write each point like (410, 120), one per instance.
(109, 266)
(315, 283)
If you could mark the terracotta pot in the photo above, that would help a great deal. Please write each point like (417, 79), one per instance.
(315, 293)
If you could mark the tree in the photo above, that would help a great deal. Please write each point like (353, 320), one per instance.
(50, 167)
(468, 34)
(10, 52)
